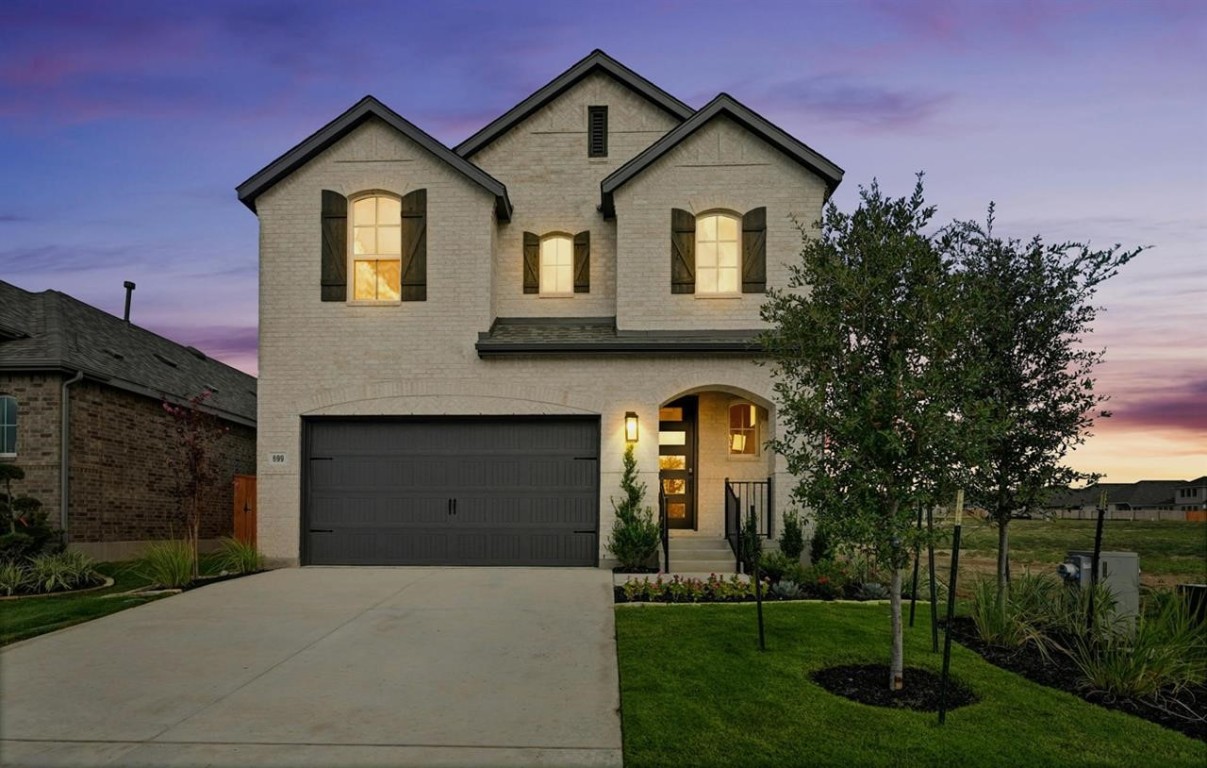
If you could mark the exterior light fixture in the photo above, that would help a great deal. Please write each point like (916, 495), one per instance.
(630, 427)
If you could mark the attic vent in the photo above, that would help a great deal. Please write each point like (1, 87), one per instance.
(597, 131)
(165, 360)
(113, 353)
(212, 388)
(197, 353)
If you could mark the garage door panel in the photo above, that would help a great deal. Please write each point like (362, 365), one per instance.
(526, 492)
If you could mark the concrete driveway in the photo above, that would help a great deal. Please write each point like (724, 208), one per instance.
(329, 667)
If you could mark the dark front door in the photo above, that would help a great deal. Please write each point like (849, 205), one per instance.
(448, 491)
(677, 461)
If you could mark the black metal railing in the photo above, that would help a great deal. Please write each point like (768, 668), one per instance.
(664, 532)
(745, 499)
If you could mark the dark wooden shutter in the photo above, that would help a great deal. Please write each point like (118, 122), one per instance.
(334, 277)
(754, 251)
(683, 251)
(597, 131)
(414, 246)
(532, 263)
(582, 262)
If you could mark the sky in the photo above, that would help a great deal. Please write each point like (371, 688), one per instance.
(125, 126)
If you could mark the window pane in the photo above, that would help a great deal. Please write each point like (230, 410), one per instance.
(366, 281)
(727, 280)
(8, 439)
(564, 276)
(365, 241)
(389, 280)
(676, 511)
(389, 210)
(670, 414)
(674, 486)
(364, 211)
(706, 255)
(707, 228)
(8, 410)
(672, 438)
(549, 278)
(706, 280)
(727, 254)
(389, 241)
(727, 228)
(741, 415)
(672, 462)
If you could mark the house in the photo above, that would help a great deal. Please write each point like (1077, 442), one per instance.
(1141, 500)
(1192, 495)
(81, 411)
(456, 345)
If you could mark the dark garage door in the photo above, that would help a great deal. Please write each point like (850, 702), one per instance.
(474, 491)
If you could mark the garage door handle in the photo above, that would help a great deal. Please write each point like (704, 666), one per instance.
(322, 530)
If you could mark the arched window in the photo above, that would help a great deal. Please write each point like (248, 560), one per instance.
(376, 267)
(8, 425)
(557, 265)
(717, 242)
(744, 425)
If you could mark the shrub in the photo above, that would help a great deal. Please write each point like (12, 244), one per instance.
(787, 590)
(752, 543)
(16, 547)
(14, 578)
(167, 563)
(62, 571)
(238, 556)
(819, 546)
(635, 535)
(774, 566)
(827, 579)
(792, 538)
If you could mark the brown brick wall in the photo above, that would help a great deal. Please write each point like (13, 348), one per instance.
(121, 485)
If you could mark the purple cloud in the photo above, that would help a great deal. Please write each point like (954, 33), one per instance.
(839, 99)
(1174, 408)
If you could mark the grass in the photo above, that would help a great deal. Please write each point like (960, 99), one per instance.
(23, 619)
(695, 691)
(1170, 552)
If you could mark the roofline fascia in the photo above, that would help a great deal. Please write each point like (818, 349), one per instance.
(723, 103)
(368, 107)
(558, 85)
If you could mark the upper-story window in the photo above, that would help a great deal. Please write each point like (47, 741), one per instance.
(743, 429)
(557, 265)
(376, 258)
(717, 248)
(8, 425)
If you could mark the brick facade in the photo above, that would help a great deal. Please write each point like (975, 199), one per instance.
(121, 487)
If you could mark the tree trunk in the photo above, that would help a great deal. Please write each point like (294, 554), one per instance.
(897, 665)
(1003, 554)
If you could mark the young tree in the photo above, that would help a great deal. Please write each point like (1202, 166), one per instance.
(863, 347)
(194, 462)
(1032, 311)
(635, 533)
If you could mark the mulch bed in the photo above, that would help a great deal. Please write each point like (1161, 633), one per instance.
(1185, 712)
(868, 684)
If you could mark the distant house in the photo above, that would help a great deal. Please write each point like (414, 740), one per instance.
(1142, 500)
(81, 411)
(1192, 495)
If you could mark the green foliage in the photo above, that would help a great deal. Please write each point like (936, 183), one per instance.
(62, 571)
(774, 566)
(1013, 619)
(168, 563)
(819, 546)
(689, 590)
(785, 589)
(1032, 309)
(237, 556)
(14, 578)
(752, 543)
(16, 547)
(635, 535)
(28, 532)
(792, 538)
(827, 579)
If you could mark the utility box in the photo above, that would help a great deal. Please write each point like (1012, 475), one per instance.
(1119, 572)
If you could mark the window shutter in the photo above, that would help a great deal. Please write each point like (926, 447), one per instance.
(754, 251)
(414, 246)
(597, 131)
(582, 262)
(532, 263)
(334, 224)
(683, 251)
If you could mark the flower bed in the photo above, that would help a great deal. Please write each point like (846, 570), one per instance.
(48, 574)
(735, 589)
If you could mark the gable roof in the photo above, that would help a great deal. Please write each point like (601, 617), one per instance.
(726, 105)
(596, 61)
(51, 331)
(367, 108)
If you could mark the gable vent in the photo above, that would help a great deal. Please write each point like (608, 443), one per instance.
(113, 353)
(165, 360)
(597, 131)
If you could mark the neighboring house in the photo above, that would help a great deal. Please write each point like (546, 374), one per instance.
(1142, 500)
(1192, 495)
(114, 491)
(456, 344)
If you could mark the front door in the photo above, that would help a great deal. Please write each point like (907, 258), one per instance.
(677, 461)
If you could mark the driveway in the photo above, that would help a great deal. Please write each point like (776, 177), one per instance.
(327, 667)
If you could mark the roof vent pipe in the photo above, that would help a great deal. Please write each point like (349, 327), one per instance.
(129, 292)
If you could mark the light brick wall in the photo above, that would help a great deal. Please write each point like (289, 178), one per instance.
(554, 187)
(721, 166)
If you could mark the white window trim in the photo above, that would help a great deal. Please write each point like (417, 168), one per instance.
(350, 268)
(16, 423)
(541, 292)
(758, 432)
(737, 294)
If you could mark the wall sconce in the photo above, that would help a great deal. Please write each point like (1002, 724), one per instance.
(630, 427)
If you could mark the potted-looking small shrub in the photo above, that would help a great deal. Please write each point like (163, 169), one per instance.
(635, 535)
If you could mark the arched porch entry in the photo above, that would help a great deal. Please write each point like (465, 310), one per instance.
(714, 468)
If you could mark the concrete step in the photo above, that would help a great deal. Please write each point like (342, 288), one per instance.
(692, 555)
(685, 544)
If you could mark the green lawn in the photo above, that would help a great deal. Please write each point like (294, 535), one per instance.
(695, 691)
(1169, 551)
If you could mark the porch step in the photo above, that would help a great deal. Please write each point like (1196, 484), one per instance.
(699, 554)
(698, 544)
